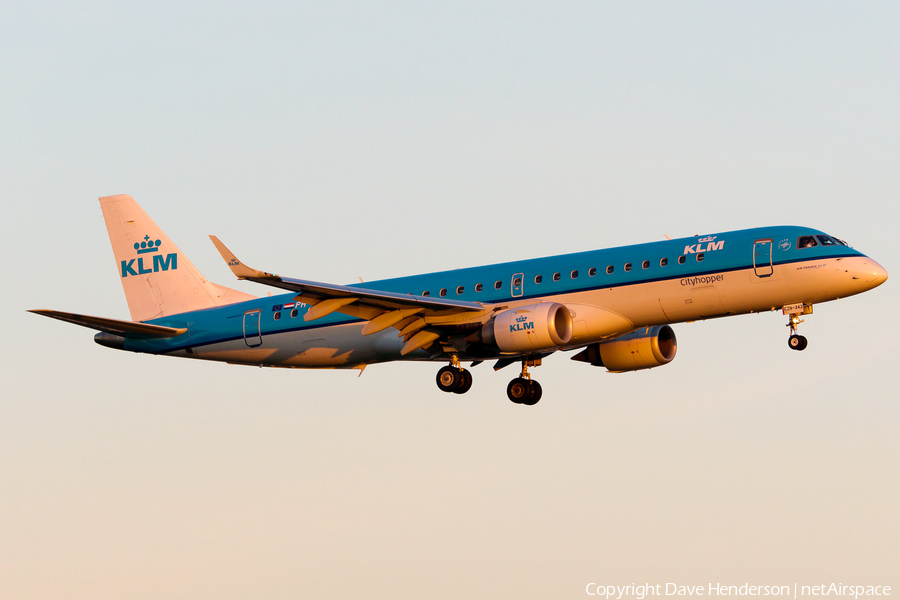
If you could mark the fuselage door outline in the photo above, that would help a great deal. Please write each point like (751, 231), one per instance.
(762, 258)
(518, 284)
(252, 335)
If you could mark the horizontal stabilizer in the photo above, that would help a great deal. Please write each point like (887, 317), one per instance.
(126, 329)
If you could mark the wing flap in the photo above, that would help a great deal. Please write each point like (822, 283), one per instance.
(126, 329)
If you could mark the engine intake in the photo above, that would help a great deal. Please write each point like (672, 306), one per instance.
(645, 348)
(528, 328)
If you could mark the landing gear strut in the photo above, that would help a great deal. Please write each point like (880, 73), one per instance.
(796, 341)
(454, 378)
(523, 389)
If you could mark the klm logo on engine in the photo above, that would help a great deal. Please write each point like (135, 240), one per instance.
(522, 324)
(706, 244)
(136, 266)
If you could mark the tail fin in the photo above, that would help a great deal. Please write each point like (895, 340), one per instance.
(157, 278)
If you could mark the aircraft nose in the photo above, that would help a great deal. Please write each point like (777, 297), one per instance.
(875, 273)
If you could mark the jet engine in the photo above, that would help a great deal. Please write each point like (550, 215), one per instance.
(645, 348)
(529, 328)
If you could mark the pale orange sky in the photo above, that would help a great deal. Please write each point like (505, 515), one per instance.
(330, 143)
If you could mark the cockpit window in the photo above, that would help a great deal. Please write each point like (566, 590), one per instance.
(827, 240)
(841, 242)
(806, 241)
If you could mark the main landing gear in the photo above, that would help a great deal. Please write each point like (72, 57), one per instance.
(454, 378)
(523, 389)
(796, 341)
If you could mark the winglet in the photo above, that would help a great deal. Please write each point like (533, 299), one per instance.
(240, 270)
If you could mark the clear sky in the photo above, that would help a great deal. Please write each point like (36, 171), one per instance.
(331, 141)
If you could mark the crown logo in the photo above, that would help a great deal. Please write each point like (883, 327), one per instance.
(707, 239)
(521, 319)
(147, 245)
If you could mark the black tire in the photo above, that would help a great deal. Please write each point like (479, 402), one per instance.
(448, 379)
(517, 390)
(797, 342)
(534, 394)
(465, 382)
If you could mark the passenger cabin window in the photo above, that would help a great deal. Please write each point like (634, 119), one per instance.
(592, 271)
(663, 262)
(277, 315)
(627, 267)
(574, 274)
(460, 290)
(443, 292)
(498, 285)
(556, 277)
(827, 240)
(426, 293)
(806, 241)
(645, 264)
(681, 259)
(538, 279)
(700, 257)
(478, 287)
(294, 314)
(610, 269)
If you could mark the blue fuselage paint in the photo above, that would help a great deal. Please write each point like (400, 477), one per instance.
(691, 261)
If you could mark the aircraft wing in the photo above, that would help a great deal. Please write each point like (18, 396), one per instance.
(126, 329)
(382, 309)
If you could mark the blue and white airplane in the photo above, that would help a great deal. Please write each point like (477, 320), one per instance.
(615, 305)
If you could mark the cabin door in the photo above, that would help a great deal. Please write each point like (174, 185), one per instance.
(517, 284)
(762, 258)
(251, 328)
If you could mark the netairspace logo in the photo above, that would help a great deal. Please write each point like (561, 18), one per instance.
(640, 592)
(160, 263)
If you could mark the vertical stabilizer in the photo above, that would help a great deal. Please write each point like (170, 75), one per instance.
(157, 278)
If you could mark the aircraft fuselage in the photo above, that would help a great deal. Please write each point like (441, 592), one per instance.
(638, 286)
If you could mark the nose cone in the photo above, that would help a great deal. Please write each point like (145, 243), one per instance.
(875, 274)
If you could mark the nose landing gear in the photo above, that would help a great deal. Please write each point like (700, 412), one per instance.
(454, 378)
(794, 311)
(523, 389)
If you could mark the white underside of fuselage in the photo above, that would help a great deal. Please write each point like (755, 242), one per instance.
(628, 307)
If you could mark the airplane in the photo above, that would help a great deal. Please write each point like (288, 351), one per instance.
(614, 305)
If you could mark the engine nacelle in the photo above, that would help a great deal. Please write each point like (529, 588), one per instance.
(528, 328)
(645, 348)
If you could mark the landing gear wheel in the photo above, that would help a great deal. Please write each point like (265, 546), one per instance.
(534, 393)
(518, 390)
(448, 379)
(797, 342)
(464, 383)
